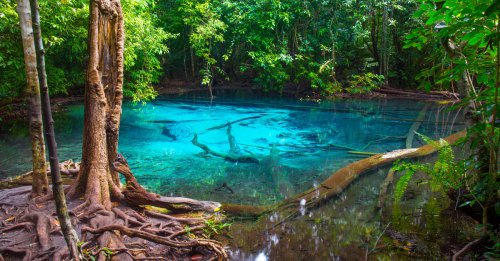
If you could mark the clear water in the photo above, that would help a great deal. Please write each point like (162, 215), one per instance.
(299, 143)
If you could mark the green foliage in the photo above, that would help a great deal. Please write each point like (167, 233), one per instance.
(214, 227)
(144, 45)
(404, 180)
(365, 83)
(65, 28)
(445, 173)
(460, 40)
(274, 43)
(11, 52)
(463, 25)
(206, 32)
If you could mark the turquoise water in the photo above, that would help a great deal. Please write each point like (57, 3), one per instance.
(298, 143)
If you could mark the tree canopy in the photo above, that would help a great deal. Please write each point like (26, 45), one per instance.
(324, 47)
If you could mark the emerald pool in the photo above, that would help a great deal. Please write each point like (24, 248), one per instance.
(298, 143)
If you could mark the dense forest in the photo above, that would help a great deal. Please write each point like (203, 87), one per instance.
(325, 47)
(111, 51)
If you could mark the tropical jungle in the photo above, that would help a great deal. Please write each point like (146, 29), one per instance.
(249, 130)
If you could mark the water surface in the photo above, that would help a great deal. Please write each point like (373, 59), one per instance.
(298, 143)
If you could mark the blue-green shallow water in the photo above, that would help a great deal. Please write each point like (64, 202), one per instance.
(156, 140)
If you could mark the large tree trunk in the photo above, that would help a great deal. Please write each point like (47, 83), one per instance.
(103, 101)
(40, 182)
(62, 212)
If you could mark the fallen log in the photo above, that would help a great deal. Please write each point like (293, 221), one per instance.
(342, 178)
(419, 94)
(336, 183)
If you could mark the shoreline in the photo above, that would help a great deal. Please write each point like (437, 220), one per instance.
(16, 109)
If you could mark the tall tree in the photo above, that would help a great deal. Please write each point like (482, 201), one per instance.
(40, 182)
(57, 187)
(103, 101)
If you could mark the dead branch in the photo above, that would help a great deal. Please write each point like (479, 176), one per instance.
(433, 95)
(232, 122)
(228, 157)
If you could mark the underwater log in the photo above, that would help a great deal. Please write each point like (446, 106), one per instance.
(414, 127)
(228, 157)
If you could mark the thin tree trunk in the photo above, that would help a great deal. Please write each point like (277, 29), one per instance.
(103, 100)
(374, 38)
(62, 212)
(40, 183)
(192, 62)
(383, 65)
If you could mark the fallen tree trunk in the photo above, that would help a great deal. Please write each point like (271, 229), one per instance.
(342, 178)
(336, 183)
(244, 210)
(418, 94)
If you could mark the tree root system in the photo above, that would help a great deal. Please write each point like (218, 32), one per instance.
(130, 230)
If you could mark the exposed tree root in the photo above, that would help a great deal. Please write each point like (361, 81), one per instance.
(180, 237)
(136, 195)
(44, 225)
(150, 235)
(211, 244)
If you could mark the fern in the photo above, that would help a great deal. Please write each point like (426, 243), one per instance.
(446, 172)
(403, 184)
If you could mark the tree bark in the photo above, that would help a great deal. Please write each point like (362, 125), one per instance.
(57, 186)
(40, 183)
(103, 101)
